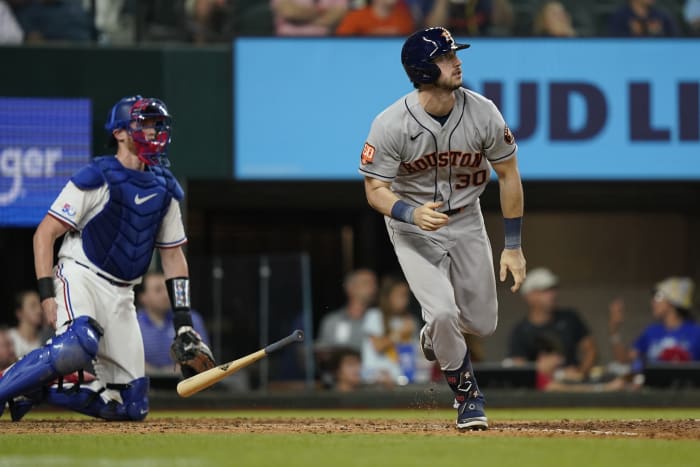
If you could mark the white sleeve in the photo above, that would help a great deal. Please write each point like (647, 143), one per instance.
(75, 207)
(172, 232)
(372, 324)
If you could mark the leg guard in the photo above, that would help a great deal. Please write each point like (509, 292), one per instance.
(134, 405)
(68, 352)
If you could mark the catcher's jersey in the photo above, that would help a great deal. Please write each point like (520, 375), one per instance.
(426, 161)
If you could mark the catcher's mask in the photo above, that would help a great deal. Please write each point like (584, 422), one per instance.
(146, 114)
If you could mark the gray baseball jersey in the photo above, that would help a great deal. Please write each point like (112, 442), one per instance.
(450, 270)
(429, 162)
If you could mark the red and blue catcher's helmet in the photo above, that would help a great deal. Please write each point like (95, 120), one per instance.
(421, 48)
(147, 113)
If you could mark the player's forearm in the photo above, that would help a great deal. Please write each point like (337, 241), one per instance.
(174, 262)
(43, 257)
(43, 242)
(381, 198)
(511, 191)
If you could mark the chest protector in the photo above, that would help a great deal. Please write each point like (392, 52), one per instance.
(121, 238)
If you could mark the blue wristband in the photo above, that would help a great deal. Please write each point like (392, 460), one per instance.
(513, 228)
(402, 211)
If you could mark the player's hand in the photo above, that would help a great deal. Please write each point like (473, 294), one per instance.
(427, 218)
(50, 309)
(190, 352)
(513, 260)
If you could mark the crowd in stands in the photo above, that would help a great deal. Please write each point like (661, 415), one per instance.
(217, 21)
(372, 340)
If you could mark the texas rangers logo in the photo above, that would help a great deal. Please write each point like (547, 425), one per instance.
(367, 154)
(508, 136)
(68, 210)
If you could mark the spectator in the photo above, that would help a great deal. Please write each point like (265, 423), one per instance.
(391, 336)
(640, 18)
(552, 20)
(691, 14)
(547, 325)
(10, 31)
(27, 335)
(673, 338)
(156, 322)
(379, 18)
(212, 20)
(346, 366)
(469, 17)
(53, 20)
(344, 327)
(307, 17)
(7, 350)
(115, 21)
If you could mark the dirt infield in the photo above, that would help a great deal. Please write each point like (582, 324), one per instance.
(640, 429)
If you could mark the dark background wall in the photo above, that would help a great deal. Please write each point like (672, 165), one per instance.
(602, 239)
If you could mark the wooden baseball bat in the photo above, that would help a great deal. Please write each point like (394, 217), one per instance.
(203, 380)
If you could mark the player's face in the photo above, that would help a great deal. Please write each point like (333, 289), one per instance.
(148, 126)
(450, 71)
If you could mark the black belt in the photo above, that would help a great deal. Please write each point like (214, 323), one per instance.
(452, 212)
(102, 276)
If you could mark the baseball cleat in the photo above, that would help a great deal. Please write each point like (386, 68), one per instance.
(471, 416)
(426, 344)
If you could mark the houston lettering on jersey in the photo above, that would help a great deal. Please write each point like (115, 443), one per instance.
(443, 159)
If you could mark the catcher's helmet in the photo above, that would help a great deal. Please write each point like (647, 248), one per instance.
(421, 48)
(120, 115)
(143, 110)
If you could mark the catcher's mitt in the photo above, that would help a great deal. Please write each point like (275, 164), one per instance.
(190, 352)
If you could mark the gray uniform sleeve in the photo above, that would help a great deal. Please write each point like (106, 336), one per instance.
(499, 143)
(380, 157)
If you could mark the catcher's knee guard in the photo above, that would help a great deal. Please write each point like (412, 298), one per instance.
(70, 351)
(134, 405)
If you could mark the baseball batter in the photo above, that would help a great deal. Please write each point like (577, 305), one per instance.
(111, 215)
(426, 160)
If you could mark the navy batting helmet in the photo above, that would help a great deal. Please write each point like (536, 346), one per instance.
(421, 48)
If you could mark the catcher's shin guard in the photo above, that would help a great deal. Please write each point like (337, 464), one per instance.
(134, 405)
(70, 351)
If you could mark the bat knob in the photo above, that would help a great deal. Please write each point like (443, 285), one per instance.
(299, 335)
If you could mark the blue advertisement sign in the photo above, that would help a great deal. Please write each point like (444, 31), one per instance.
(42, 143)
(581, 109)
